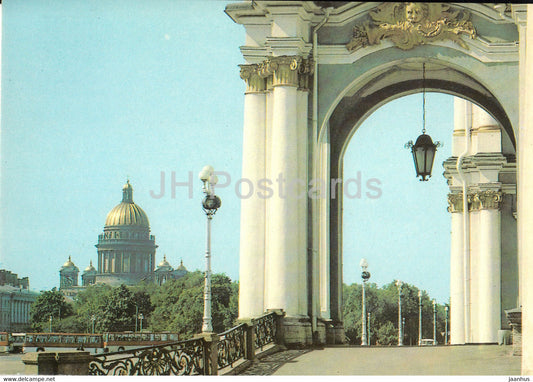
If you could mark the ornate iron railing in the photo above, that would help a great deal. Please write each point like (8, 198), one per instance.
(231, 346)
(264, 330)
(179, 358)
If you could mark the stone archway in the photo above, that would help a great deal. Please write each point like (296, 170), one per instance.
(348, 115)
(308, 89)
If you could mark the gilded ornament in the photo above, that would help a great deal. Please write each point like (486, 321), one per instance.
(490, 199)
(409, 25)
(281, 70)
(254, 81)
(455, 202)
(473, 202)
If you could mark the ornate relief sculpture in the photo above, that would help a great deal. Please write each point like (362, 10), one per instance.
(411, 24)
(455, 202)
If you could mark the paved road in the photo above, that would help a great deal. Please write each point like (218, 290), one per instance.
(440, 360)
(11, 364)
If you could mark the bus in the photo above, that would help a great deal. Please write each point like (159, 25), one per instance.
(5, 346)
(61, 341)
(16, 341)
(120, 341)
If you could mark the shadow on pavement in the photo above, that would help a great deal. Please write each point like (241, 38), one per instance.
(269, 364)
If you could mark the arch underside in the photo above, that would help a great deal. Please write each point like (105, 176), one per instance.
(368, 95)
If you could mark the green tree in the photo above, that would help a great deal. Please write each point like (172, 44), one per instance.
(387, 334)
(90, 302)
(113, 308)
(382, 304)
(179, 304)
(119, 312)
(49, 304)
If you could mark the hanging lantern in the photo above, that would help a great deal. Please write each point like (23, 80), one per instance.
(423, 155)
(424, 149)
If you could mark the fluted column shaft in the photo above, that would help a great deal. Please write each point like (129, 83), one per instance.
(457, 307)
(283, 211)
(286, 210)
(252, 239)
(486, 266)
(489, 276)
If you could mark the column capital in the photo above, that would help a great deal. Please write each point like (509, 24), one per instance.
(255, 83)
(455, 202)
(485, 200)
(274, 71)
(287, 71)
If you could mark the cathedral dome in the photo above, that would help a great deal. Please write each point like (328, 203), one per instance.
(90, 268)
(69, 265)
(164, 265)
(181, 266)
(127, 213)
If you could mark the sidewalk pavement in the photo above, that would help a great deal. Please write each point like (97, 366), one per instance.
(430, 360)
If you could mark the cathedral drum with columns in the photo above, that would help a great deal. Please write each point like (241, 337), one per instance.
(126, 250)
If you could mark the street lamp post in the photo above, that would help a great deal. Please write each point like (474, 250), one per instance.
(136, 318)
(141, 317)
(50, 328)
(434, 322)
(419, 317)
(403, 326)
(210, 204)
(400, 331)
(446, 325)
(365, 275)
(368, 328)
(93, 318)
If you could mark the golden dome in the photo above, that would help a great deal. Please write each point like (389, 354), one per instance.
(68, 264)
(164, 262)
(90, 268)
(181, 267)
(127, 212)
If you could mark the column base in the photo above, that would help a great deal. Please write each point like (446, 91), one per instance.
(515, 319)
(335, 332)
(296, 332)
(319, 336)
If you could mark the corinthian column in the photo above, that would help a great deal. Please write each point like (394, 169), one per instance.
(457, 291)
(252, 240)
(286, 249)
(489, 267)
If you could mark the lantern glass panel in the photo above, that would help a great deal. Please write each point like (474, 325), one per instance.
(430, 156)
(420, 160)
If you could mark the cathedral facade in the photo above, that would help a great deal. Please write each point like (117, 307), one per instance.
(126, 252)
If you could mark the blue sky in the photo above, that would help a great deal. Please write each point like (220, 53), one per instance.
(96, 92)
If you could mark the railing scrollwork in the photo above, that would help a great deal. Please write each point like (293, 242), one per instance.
(231, 346)
(264, 330)
(199, 356)
(180, 358)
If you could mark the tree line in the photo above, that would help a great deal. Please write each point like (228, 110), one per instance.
(382, 304)
(177, 306)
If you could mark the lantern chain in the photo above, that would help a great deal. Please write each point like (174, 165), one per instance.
(424, 98)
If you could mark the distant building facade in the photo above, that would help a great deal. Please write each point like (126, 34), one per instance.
(126, 252)
(165, 272)
(15, 302)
